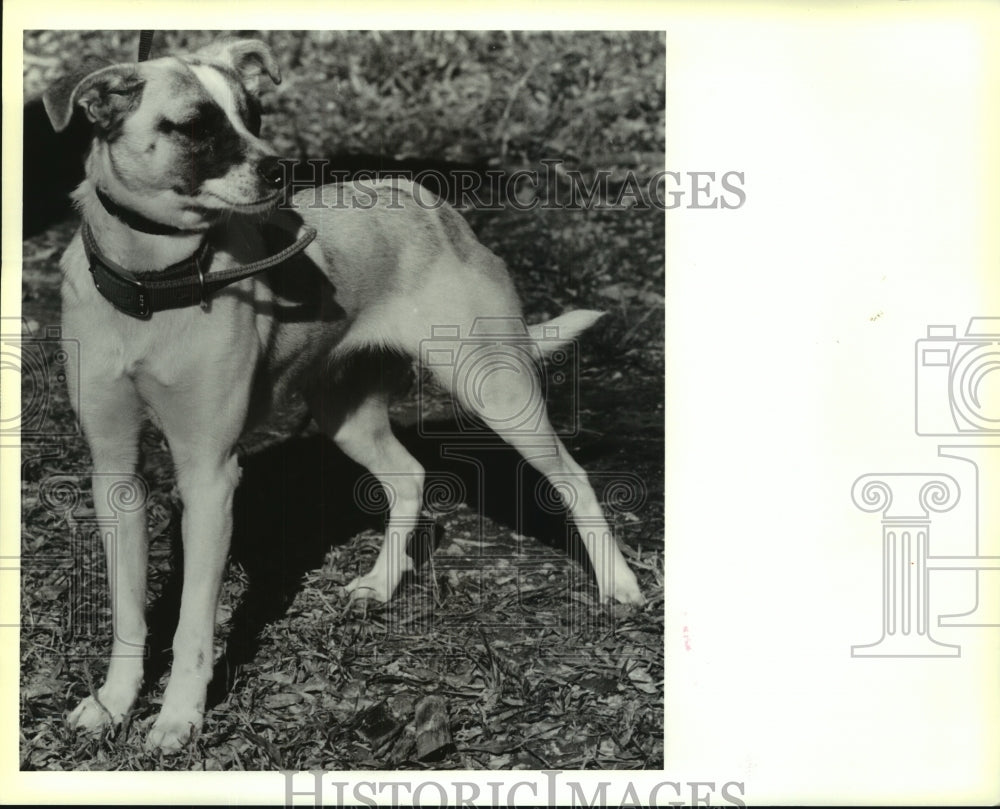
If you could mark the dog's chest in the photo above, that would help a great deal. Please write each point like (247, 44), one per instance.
(176, 349)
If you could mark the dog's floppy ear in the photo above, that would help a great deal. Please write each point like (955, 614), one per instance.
(105, 94)
(251, 58)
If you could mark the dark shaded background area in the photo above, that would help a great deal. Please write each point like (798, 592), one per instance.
(399, 101)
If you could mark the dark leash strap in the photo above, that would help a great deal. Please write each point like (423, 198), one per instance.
(145, 45)
(182, 284)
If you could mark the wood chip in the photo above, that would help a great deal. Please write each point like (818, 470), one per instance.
(434, 740)
(377, 723)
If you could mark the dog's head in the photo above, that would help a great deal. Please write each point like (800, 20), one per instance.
(176, 139)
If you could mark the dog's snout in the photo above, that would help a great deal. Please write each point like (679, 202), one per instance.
(271, 171)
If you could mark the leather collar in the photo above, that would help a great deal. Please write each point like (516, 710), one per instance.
(185, 283)
(141, 294)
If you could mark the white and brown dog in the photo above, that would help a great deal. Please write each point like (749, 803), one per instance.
(186, 309)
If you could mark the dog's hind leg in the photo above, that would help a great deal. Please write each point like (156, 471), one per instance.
(363, 433)
(615, 578)
(507, 396)
(111, 415)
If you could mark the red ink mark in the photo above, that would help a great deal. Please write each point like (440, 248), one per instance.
(687, 639)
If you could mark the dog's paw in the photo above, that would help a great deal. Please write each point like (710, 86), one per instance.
(630, 595)
(625, 589)
(172, 729)
(109, 707)
(93, 715)
(371, 588)
(378, 584)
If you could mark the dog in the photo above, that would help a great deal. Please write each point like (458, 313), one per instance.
(199, 302)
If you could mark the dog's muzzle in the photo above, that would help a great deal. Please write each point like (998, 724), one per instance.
(272, 172)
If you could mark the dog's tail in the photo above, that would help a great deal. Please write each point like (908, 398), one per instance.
(553, 334)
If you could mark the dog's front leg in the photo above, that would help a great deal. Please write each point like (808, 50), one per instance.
(206, 486)
(111, 415)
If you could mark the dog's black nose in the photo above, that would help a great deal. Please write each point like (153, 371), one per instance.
(271, 171)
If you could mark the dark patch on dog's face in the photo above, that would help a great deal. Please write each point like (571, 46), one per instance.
(252, 115)
(247, 105)
(208, 145)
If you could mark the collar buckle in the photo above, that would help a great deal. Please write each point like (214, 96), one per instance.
(135, 299)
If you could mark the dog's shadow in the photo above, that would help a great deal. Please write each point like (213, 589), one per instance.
(302, 496)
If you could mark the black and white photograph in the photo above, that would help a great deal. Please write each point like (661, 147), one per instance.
(538, 404)
(343, 362)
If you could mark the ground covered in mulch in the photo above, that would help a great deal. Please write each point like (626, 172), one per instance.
(500, 620)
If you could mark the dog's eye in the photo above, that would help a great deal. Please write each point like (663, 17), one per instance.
(183, 128)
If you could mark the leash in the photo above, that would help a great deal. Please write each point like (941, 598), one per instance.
(179, 285)
(145, 45)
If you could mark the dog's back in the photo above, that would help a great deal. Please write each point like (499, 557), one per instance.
(390, 263)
